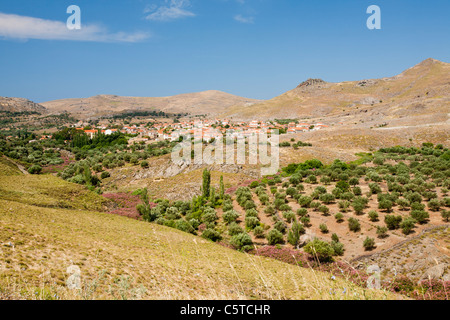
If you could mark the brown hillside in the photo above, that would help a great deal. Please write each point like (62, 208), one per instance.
(421, 92)
(20, 105)
(206, 102)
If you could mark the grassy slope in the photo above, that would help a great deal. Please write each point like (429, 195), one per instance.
(39, 241)
(8, 168)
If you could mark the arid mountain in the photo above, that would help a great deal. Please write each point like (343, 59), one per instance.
(206, 102)
(20, 105)
(420, 94)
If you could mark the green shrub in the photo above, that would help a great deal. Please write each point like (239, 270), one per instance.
(382, 231)
(385, 204)
(280, 226)
(414, 197)
(334, 237)
(241, 241)
(251, 213)
(323, 228)
(269, 210)
(343, 185)
(212, 235)
(294, 233)
(344, 205)
(392, 222)
(347, 196)
(305, 201)
(358, 206)
(434, 205)
(315, 205)
(172, 213)
(339, 217)
(446, 202)
(274, 237)
(285, 207)
(354, 225)
(302, 212)
(251, 222)
(320, 249)
(144, 164)
(289, 216)
(420, 216)
(327, 198)
(338, 248)
(374, 188)
(445, 215)
(259, 232)
(105, 174)
(357, 191)
(254, 184)
(324, 209)
(311, 179)
(305, 220)
(227, 205)
(407, 225)
(373, 216)
(291, 191)
(185, 226)
(353, 181)
(35, 169)
(230, 216)
(234, 229)
(369, 243)
(210, 217)
(417, 206)
(194, 223)
(403, 203)
(249, 204)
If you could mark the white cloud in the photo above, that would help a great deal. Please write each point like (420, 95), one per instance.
(173, 9)
(243, 19)
(21, 27)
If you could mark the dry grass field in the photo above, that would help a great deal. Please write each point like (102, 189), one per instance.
(48, 225)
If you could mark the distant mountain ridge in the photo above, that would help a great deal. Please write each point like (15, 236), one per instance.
(209, 102)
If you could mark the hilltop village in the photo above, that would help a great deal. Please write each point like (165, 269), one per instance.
(155, 130)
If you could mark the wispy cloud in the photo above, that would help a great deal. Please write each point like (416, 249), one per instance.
(242, 19)
(22, 27)
(171, 10)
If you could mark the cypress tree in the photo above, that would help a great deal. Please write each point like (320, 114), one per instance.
(206, 183)
(222, 188)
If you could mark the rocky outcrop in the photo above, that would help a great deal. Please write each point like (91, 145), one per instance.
(420, 257)
(366, 83)
(435, 272)
(311, 83)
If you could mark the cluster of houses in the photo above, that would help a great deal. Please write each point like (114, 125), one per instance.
(304, 127)
(204, 129)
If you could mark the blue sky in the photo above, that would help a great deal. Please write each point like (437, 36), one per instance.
(252, 48)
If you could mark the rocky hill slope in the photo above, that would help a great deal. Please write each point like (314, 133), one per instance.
(420, 94)
(20, 105)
